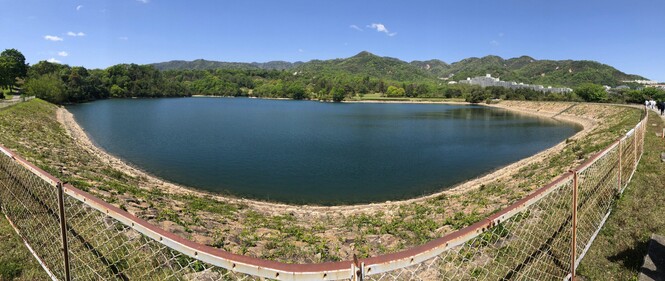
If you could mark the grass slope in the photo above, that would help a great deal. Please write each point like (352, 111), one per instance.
(618, 251)
(16, 262)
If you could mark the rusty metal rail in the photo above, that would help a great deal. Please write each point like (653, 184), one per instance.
(544, 236)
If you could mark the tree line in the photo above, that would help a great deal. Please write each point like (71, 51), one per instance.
(61, 83)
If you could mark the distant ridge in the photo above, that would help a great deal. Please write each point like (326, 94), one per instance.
(202, 64)
(569, 73)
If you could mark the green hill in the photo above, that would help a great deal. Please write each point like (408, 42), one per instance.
(206, 64)
(435, 67)
(544, 72)
(367, 64)
(523, 69)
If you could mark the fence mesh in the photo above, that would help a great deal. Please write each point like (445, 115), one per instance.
(597, 187)
(531, 240)
(531, 245)
(31, 204)
(103, 248)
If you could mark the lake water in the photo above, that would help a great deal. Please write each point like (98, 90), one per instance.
(312, 152)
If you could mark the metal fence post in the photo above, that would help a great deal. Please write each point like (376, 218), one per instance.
(573, 249)
(357, 269)
(635, 147)
(620, 167)
(63, 229)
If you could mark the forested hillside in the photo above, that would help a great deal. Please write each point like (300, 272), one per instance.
(524, 69)
(206, 65)
(364, 74)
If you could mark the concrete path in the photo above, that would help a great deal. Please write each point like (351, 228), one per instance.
(654, 262)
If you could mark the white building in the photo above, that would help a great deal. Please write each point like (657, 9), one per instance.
(488, 81)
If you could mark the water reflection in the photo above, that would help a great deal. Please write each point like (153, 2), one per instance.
(310, 152)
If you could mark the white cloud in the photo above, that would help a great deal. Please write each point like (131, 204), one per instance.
(53, 60)
(301, 50)
(355, 27)
(124, 38)
(79, 7)
(52, 38)
(63, 54)
(501, 34)
(144, 1)
(75, 34)
(381, 28)
(494, 43)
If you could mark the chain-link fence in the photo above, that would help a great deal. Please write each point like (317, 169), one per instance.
(76, 236)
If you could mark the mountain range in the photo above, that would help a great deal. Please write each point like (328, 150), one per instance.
(569, 73)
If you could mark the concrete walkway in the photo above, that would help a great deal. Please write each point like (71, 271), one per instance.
(654, 262)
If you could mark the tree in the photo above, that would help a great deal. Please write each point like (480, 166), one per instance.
(422, 90)
(117, 91)
(297, 92)
(478, 95)
(591, 92)
(12, 66)
(48, 87)
(395, 91)
(42, 68)
(653, 93)
(337, 94)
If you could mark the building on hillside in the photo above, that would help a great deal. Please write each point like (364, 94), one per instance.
(488, 81)
(643, 82)
(659, 86)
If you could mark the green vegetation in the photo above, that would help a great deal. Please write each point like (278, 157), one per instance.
(618, 251)
(362, 75)
(12, 68)
(591, 92)
(16, 262)
(64, 84)
(201, 64)
(525, 69)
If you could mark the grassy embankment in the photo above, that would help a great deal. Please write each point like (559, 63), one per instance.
(16, 262)
(379, 97)
(619, 250)
(300, 235)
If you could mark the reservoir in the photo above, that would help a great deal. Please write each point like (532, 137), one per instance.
(309, 152)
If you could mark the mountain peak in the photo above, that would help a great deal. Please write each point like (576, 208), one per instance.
(492, 58)
(364, 54)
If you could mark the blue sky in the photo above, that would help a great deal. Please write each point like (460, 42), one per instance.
(629, 35)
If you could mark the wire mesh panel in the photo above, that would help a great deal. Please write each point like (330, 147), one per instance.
(103, 248)
(597, 187)
(641, 131)
(533, 244)
(627, 159)
(31, 204)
